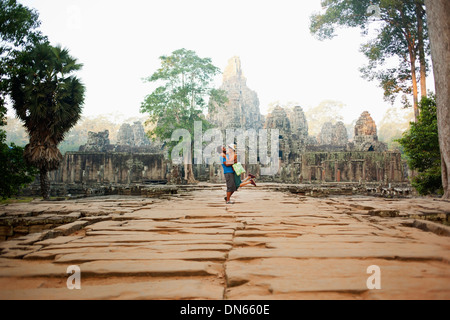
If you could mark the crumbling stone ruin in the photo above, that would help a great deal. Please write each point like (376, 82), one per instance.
(333, 134)
(366, 138)
(97, 142)
(134, 159)
(132, 135)
(131, 138)
(299, 126)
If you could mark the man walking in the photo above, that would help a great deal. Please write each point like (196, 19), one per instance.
(233, 181)
(227, 165)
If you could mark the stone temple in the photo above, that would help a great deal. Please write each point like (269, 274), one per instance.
(303, 159)
(242, 109)
(329, 157)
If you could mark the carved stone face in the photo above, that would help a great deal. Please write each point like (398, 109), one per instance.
(365, 126)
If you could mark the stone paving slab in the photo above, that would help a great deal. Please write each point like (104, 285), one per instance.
(287, 278)
(143, 290)
(268, 245)
(153, 268)
(362, 250)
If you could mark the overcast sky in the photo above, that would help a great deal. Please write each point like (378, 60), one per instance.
(120, 42)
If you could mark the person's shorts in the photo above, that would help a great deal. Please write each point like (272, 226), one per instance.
(229, 178)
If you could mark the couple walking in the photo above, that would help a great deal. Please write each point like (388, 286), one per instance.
(228, 158)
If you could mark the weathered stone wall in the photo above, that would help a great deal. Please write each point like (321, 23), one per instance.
(104, 167)
(361, 167)
(324, 167)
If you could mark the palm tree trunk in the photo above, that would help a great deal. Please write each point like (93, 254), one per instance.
(438, 12)
(45, 184)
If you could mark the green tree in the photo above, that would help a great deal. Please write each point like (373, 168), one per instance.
(15, 173)
(184, 84)
(48, 99)
(18, 31)
(421, 145)
(402, 35)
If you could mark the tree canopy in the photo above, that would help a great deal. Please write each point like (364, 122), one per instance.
(184, 83)
(400, 40)
(421, 145)
(18, 30)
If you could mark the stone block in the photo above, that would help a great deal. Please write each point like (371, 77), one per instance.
(74, 215)
(21, 229)
(6, 231)
(69, 228)
(384, 213)
(39, 228)
(434, 227)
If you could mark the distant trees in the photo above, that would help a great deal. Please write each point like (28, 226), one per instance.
(78, 135)
(326, 111)
(288, 105)
(394, 123)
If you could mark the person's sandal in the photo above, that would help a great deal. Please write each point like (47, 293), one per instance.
(230, 202)
(253, 182)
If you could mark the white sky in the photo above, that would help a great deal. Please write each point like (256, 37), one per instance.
(119, 43)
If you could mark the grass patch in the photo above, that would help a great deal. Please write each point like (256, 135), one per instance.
(17, 200)
(29, 199)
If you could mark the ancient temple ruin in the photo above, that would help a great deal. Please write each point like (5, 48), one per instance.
(96, 142)
(366, 138)
(242, 108)
(133, 159)
(328, 158)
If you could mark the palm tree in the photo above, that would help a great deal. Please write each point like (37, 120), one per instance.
(48, 99)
